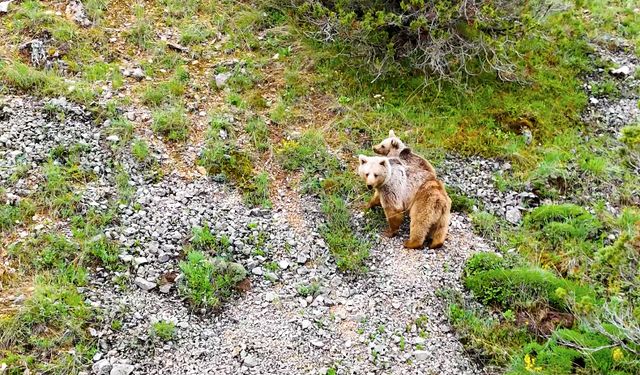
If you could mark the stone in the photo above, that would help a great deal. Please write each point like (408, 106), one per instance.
(144, 284)
(166, 288)
(270, 296)
(222, 78)
(283, 264)
(102, 367)
(113, 138)
(621, 71)
(257, 271)
(4, 6)
(317, 343)
(250, 361)
(513, 215)
(421, 355)
(138, 73)
(121, 369)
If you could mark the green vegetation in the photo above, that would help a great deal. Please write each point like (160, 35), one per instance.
(49, 333)
(172, 123)
(322, 174)
(306, 290)
(208, 282)
(164, 331)
(567, 294)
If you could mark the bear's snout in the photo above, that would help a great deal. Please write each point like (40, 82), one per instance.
(369, 186)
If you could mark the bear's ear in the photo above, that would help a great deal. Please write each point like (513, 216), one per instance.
(394, 143)
(405, 153)
(392, 134)
(384, 162)
(363, 159)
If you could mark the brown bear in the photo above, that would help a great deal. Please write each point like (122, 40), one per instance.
(393, 147)
(400, 188)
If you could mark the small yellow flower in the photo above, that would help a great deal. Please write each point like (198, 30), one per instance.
(530, 363)
(617, 354)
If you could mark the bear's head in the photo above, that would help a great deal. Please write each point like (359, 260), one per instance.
(374, 170)
(390, 147)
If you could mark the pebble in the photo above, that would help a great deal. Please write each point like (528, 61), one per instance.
(144, 284)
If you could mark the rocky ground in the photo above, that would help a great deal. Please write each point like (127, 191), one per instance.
(391, 320)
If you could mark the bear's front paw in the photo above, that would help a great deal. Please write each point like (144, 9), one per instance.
(389, 233)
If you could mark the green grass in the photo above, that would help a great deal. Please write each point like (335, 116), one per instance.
(259, 133)
(165, 331)
(208, 282)
(258, 194)
(311, 289)
(12, 215)
(140, 150)
(171, 123)
(141, 33)
(349, 250)
(49, 333)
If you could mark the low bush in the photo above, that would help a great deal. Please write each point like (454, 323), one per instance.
(163, 330)
(208, 282)
(481, 262)
(519, 288)
(441, 38)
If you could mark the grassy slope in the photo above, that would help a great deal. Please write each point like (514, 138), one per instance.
(288, 85)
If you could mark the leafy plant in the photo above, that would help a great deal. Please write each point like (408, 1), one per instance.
(207, 282)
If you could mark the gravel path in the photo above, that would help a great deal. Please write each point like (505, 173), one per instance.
(389, 320)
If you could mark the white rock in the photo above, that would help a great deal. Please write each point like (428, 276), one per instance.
(250, 361)
(221, 79)
(166, 288)
(317, 343)
(144, 284)
(270, 296)
(594, 100)
(137, 73)
(121, 369)
(306, 324)
(4, 6)
(102, 367)
(421, 355)
(621, 71)
(513, 215)
(283, 264)
(113, 138)
(140, 261)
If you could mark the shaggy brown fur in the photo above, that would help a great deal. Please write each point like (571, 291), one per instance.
(403, 188)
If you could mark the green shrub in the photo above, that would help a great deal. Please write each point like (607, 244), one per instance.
(204, 240)
(163, 330)
(140, 150)
(207, 282)
(481, 262)
(258, 193)
(460, 202)
(631, 136)
(486, 336)
(441, 38)
(524, 287)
